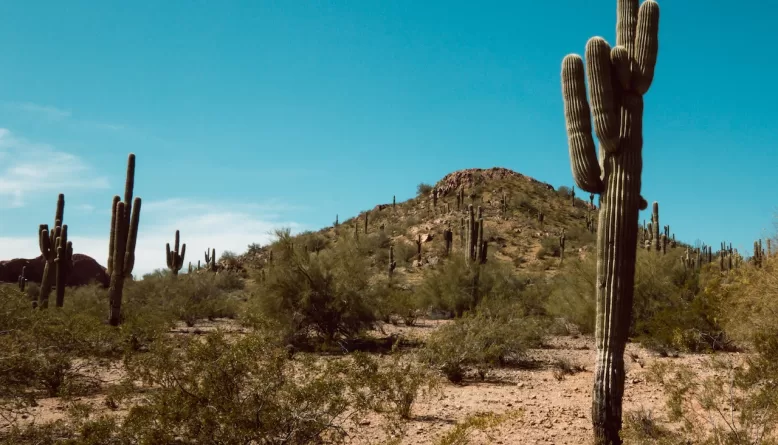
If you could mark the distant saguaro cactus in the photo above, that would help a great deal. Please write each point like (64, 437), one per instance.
(618, 79)
(366, 215)
(448, 238)
(64, 263)
(22, 279)
(175, 261)
(210, 259)
(47, 241)
(657, 240)
(125, 218)
(418, 248)
(392, 262)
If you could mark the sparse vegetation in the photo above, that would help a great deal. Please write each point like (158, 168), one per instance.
(339, 340)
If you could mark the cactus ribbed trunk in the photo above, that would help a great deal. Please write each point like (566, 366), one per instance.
(618, 79)
(616, 253)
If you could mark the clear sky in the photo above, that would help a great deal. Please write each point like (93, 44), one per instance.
(251, 115)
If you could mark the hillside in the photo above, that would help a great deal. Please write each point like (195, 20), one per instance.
(511, 204)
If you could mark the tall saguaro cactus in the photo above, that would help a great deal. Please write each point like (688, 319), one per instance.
(125, 218)
(175, 261)
(47, 241)
(618, 79)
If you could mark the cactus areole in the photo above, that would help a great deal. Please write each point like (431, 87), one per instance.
(618, 78)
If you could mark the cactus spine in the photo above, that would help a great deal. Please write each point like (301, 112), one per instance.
(618, 79)
(175, 261)
(64, 263)
(125, 218)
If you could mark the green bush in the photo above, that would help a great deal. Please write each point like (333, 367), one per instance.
(482, 340)
(423, 189)
(326, 294)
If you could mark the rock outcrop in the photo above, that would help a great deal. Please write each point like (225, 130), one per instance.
(85, 271)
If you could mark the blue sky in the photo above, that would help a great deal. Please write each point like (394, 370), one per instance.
(247, 116)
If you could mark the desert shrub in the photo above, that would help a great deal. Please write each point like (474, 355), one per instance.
(394, 385)
(54, 352)
(483, 422)
(563, 191)
(245, 390)
(187, 297)
(641, 428)
(404, 253)
(731, 399)
(459, 286)
(572, 295)
(481, 341)
(325, 294)
(403, 304)
(423, 189)
(563, 367)
(670, 311)
(549, 246)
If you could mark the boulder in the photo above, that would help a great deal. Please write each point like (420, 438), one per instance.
(85, 271)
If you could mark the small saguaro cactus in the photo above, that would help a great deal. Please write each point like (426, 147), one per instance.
(657, 241)
(541, 217)
(22, 279)
(64, 263)
(175, 261)
(618, 79)
(434, 197)
(336, 221)
(448, 237)
(392, 262)
(125, 218)
(562, 239)
(47, 241)
(394, 201)
(210, 259)
(366, 215)
(418, 248)
(572, 196)
(591, 200)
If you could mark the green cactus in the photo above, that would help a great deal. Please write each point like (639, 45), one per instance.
(210, 259)
(175, 261)
(572, 196)
(366, 214)
(618, 79)
(657, 241)
(394, 201)
(22, 279)
(434, 197)
(125, 218)
(47, 241)
(64, 263)
(448, 238)
(392, 262)
(418, 248)
(562, 239)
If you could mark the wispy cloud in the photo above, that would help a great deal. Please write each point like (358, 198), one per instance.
(24, 171)
(53, 113)
(215, 225)
(47, 111)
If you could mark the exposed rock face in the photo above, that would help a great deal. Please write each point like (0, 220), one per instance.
(85, 271)
(474, 176)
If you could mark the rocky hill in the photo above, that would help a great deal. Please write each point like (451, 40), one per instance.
(524, 220)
